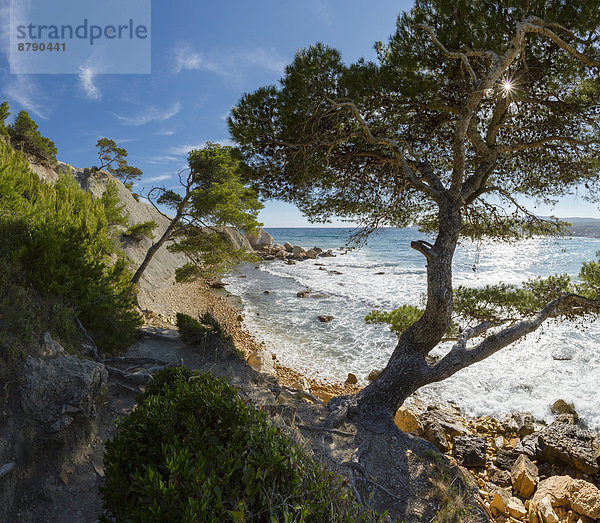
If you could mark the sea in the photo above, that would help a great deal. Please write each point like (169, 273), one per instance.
(559, 361)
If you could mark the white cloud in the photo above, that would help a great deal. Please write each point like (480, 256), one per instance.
(160, 178)
(151, 114)
(181, 150)
(228, 63)
(25, 93)
(162, 159)
(165, 132)
(86, 82)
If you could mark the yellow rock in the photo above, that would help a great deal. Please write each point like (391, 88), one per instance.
(406, 420)
(515, 508)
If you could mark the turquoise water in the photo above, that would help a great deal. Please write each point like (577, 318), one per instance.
(528, 375)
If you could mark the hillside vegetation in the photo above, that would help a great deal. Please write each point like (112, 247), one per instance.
(59, 262)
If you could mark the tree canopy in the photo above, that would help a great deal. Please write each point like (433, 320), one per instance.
(114, 160)
(471, 110)
(24, 133)
(213, 195)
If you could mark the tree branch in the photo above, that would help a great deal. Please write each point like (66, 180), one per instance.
(460, 357)
(450, 54)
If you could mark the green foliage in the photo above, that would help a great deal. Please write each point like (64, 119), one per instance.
(26, 135)
(141, 230)
(195, 331)
(4, 114)
(112, 206)
(58, 238)
(192, 450)
(402, 318)
(113, 159)
(215, 195)
(305, 143)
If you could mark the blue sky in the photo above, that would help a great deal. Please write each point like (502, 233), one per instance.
(205, 55)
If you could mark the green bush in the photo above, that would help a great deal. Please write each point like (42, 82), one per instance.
(193, 450)
(58, 238)
(25, 134)
(195, 331)
(141, 230)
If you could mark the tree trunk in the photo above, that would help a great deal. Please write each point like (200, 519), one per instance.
(152, 251)
(407, 369)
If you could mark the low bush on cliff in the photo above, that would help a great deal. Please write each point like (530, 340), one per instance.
(193, 450)
(56, 241)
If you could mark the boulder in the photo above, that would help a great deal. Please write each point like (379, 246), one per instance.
(288, 246)
(327, 254)
(311, 254)
(570, 446)
(276, 247)
(469, 450)
(299, 253)
(280, 254)
(318, 250)
(524, 476)
(58, 390)
(545, 512)
(585, 499)
(432, 432)
(521, 423)
(301, 384)
(262, 361)
(325, 318)
(374, 374)
(499, 477)
(259, 239)
(406, 420)
(449, 418)
(499, 501)
(304, 293)
(562, 407)
(351, 379)
(515, 508)
(564, 492)
(51, 348)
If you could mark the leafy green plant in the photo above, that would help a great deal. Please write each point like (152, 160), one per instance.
(25, 134)
(113, 159)
(402, 318)
(141, 230)
(193, 450)
(59, 240)
(195, 331)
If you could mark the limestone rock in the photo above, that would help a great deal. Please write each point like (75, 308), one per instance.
(298, 252)
(288, 246)
(499, 501)
(406, 420)
(51, 348)
(562, 407)
(499, 477)
(311, 254)
(570, 446)
(57, 391)
(327, 254)
(325, 318)
(374, 374)
(304, 293)
(449, 418)
(262, 361)
(515, 508)
(545, 512)
(524, 476)
(469, 450)
(301, 384)
(520, 423)
(259, 239)
(433, 432)
(556, 489)
(351, 379)
(280, 254)
(585, 498)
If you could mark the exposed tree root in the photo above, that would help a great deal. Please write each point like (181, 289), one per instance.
(326, 429)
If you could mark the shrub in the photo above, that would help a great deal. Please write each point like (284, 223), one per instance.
(141, 230)
(58, 238)
(24, 132)
(192, 450)
(195, 331)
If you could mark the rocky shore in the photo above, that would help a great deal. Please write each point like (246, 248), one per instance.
(525, 469)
